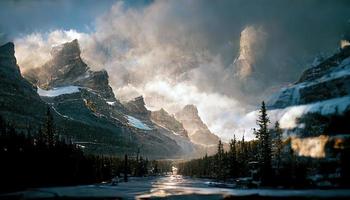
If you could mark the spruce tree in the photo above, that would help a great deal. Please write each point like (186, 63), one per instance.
(264, 138)
(49, 129)
(233, 157)
(277, 144)
(220, 161)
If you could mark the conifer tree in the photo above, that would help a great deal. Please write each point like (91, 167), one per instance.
(49, 129)
(220, 159)
(233, 157)
(277, 144)
(264, 138)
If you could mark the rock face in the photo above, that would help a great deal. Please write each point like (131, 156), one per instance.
(329, 79)
(164, 119)
(19, 101)
(198, 132)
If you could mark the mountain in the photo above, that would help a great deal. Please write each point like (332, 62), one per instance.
(164, 119)
(317, 106)
(19, 100)
(198, 132)
(330, 79)
(84, 106)
(67, 68)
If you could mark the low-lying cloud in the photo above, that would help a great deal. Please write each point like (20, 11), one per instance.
(218, 56)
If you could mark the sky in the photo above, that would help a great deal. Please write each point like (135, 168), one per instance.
(223, 56)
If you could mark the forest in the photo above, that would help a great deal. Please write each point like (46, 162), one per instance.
(269, 161)
(37, 158)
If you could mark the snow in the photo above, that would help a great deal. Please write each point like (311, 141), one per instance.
(137, 123)
(291, 95)
(111, 103)
(172, 187)
(288, 116)
(58, 91)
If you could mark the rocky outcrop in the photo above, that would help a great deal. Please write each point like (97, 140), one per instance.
(164, 119)
(137, 107)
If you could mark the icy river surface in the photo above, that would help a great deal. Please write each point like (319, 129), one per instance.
(173, 187)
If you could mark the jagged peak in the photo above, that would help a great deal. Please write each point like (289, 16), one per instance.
(66, 49)
(190, 108)
(323, 67)
(7, 49)
(139, 100)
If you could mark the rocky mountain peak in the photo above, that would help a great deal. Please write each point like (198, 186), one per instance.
(197, 130)
(164, 119)
(7, 50)
(137, 107)
(190, 110)
(66, 50)
(66, 68)
(8, 60)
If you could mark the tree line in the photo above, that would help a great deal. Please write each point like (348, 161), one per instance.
(266, 161)
(36, 158)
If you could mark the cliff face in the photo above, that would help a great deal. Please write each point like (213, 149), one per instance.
(19, 101)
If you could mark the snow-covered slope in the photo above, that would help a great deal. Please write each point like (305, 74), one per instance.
(137, 123)
(58, 91)
(319, 102)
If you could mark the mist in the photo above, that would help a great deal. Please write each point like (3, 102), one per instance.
(218, 56)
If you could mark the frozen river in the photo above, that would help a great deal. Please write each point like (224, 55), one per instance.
(173, 187)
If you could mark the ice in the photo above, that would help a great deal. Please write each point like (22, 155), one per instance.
(137, 123)
(172, 187)
(58, 91)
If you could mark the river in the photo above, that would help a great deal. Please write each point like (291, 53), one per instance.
(173, 187)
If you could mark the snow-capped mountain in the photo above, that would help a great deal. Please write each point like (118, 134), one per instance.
(85, 106)
(319, 102)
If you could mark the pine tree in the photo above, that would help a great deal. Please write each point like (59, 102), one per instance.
(220, 159)
(49, 129)
(233, 157)
(278, 144)
(126, 168)
(264, 138)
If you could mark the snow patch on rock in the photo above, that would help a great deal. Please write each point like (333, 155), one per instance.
(137, 123)
(58, 91)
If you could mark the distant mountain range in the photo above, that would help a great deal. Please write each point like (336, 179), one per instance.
(85, 108)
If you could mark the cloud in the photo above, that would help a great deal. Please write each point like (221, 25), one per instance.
(175, 52)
